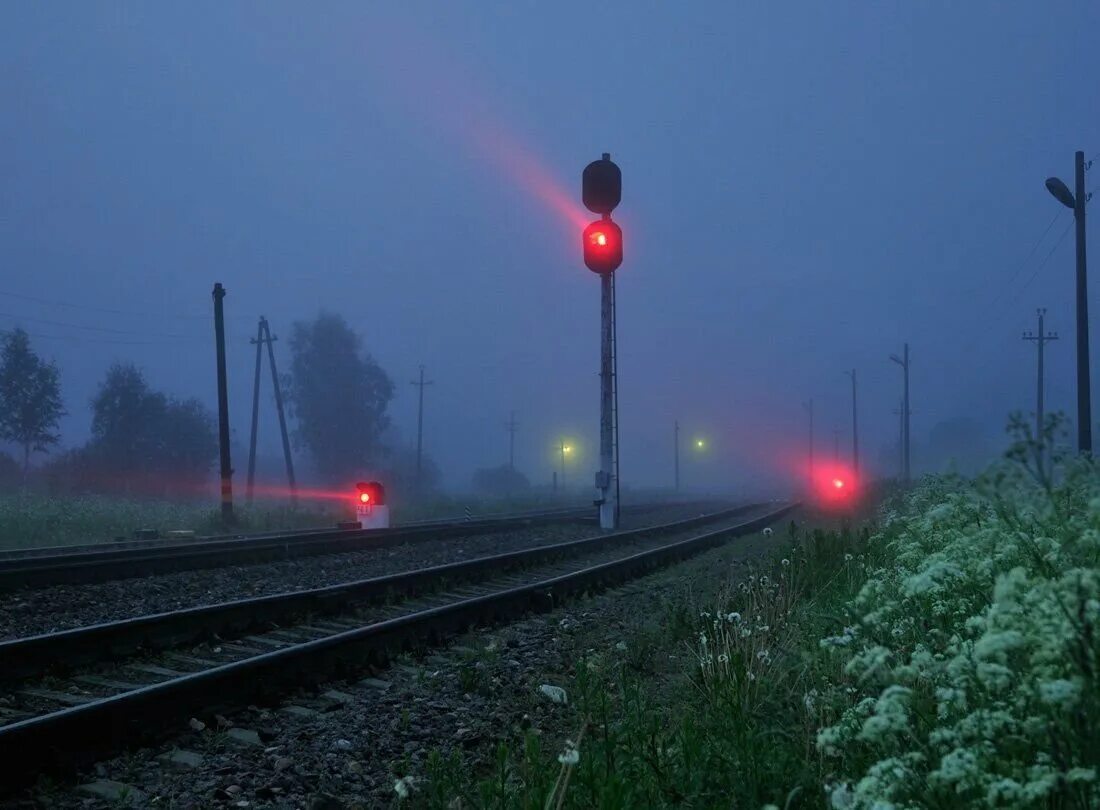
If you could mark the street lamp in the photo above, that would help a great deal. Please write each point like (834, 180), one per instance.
(700, 444)
(1077, 201)
(566, 450)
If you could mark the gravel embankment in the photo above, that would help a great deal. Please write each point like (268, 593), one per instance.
(343, 746)
(62, 607)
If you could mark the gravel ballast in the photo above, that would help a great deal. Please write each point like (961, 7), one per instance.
(344, 745)
(62, 607)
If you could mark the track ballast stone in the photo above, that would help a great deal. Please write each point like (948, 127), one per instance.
(62, 607)
(345, 745)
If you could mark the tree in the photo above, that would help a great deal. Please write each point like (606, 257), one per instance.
(141, 435)
(338, 396)
(30, 397)
(500, 481)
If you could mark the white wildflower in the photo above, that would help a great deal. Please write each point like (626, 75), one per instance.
(768, 531)
(733, 617)
(571, 755)
(621, 646)
(555, 693)
(403, 786)
(785, 562)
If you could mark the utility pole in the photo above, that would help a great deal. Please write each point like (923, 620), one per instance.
(288, 460)
(903, 361)
(258, 343)
(1041, 338)
(263, 335)
(810, 408)
(900, 413)
(855, 428)
(420, 430)
(676, 452)
(1077, 202)
(511, 426)
(223, 409)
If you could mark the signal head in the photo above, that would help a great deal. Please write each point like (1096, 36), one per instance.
(370, 493)
(603, 246)
(602, 185)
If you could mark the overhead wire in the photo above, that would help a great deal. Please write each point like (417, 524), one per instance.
(107, 310)
(105, 329)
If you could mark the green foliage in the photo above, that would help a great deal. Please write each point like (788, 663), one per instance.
(949, 659)
(30, 397)
(143, 440)
(338, 396)
(967, 671)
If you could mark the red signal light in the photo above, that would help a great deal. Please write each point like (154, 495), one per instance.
(839, 484)
(603, 246)
(371, 493)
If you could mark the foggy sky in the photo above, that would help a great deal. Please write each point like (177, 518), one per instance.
(806, 186)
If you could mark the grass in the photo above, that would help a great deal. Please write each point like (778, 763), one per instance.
(28, 521)
(34, 520)
(948, 658)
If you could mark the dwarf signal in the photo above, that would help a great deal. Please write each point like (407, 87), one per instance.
(371, 509)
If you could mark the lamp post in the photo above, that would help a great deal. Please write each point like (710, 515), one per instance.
(1077, 201)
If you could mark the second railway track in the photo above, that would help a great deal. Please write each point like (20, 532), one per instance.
(89, 564)
(81, 694)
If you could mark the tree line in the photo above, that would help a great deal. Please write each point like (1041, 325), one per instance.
(144, 441)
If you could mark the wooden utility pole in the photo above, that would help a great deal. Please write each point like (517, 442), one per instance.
(264, 336)
(903, 361)
(223, 409)
(810, 407)
(282, 416)
(258, 343)
(676, 452)
(1077, 201)
(511, 426)
(855, 427)
(1040, 339)
(420, 430)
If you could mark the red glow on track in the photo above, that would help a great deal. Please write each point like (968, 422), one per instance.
(307, 493)
(834, 485)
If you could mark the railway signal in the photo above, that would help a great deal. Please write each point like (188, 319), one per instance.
(371, 509)
(602, 245)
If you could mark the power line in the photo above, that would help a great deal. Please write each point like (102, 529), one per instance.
(95, 328)
(89, 308)
(82, 339)
(1045, 260)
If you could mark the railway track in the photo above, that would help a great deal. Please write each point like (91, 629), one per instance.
(81, 694)
(89, 564)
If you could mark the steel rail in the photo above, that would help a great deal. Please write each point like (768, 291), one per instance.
(82, 733)
(99, 566)
(48, 653)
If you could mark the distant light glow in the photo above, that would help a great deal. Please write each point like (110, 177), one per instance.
(700, 443)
